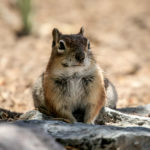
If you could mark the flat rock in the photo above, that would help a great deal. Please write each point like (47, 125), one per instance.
(117, 118)
(95, 137)
(139, 110)
(122, 130)
(13, 137)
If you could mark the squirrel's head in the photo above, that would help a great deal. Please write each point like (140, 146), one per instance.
(73, 49)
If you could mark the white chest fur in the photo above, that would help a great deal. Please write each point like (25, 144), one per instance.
(72, 83)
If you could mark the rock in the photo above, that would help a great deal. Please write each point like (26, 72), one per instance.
(17, 138)
(107, 116)
(114, 117)
(95, 137)
(34, 115)
(121, 130)
(140, 110)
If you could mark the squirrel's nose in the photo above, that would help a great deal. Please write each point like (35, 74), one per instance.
(80, 56)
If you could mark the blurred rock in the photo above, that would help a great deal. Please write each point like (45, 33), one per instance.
(17, 138)
(87, 137)
(139, 110)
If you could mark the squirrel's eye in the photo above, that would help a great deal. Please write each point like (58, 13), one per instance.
(61, 45)
(89, 47)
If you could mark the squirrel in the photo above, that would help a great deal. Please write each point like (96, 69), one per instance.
(73, 81)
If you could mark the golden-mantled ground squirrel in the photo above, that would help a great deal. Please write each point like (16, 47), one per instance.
(73, 81)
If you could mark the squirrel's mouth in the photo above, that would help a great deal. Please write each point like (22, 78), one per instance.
(71, 65)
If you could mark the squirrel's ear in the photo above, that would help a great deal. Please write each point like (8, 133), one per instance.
(81, 31)
(55, 34)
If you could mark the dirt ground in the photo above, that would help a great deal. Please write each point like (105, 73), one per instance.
(119, 31)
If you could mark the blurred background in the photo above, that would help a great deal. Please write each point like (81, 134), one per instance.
(119, 31)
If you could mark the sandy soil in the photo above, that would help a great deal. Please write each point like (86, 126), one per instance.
(119, 31)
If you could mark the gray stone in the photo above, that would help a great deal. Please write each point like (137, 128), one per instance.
(34, 115)
(140, 110)
(114, 117)
(122, 129)
(18, 138)
(93, 137)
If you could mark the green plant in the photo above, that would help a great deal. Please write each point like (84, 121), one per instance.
(25, 8)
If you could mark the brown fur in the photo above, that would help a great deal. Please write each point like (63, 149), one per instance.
(75, 85)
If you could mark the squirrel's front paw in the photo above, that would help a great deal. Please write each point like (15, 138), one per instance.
(89, 121)
(72, 120)
(65, 120)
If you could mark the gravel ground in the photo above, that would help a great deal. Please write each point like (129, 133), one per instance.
(120, 37)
